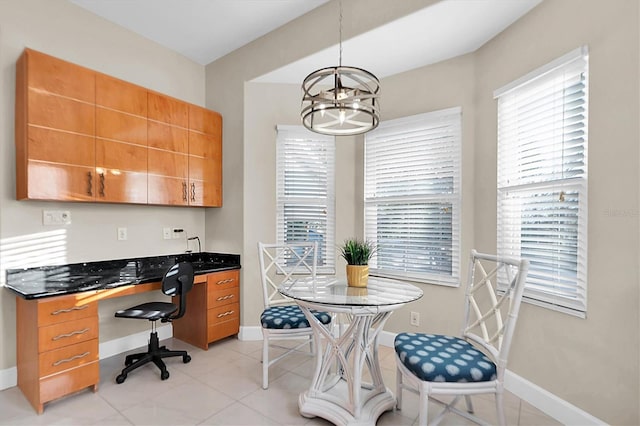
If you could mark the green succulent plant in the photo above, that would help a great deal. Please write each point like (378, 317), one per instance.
(357, 252)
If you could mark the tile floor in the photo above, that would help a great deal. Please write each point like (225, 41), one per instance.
(221, 386)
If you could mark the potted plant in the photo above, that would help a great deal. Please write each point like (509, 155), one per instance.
(357, 254)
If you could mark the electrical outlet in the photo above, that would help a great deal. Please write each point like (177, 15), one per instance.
(415, 319)
(166, 233)
(122, 234)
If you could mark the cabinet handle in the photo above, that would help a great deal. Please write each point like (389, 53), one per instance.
(228, 296)
(102, 184)
(62, 361)
(193, 192)
(228, 280)
(90, 182)
(64, 311)
(73, 333)
(225, 314)
(184, 191)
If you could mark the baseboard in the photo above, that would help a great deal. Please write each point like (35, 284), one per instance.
(250, 333)
(133, 341)
(9, 377)
(543, 400)
(547, 402)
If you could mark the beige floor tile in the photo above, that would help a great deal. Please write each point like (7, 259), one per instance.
(239, 414)
(222, 386)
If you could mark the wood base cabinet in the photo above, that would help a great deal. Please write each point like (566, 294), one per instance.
(213, 310)
(57, 347)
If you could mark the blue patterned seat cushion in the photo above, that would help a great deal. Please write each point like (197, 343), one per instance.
(438, 358)
(290, 316)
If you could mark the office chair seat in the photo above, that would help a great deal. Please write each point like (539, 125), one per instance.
(177, 281)
(152, 311)
(439, 358)
(289, 316)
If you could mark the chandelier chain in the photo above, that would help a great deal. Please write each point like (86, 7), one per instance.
(340, 32)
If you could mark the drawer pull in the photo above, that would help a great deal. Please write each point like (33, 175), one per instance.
(73, 333)
(228, 296)
(64, 311)
(225, 314)
(228, 280)
(62, 361)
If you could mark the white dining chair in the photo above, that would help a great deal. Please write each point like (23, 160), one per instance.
(474, 362)
(281, 318)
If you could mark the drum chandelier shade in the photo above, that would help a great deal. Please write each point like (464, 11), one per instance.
(340, 101)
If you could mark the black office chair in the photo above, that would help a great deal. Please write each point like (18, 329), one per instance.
(177, 281)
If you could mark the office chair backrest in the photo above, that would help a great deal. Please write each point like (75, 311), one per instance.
(284, 262)
(178, 281)
(493, 297)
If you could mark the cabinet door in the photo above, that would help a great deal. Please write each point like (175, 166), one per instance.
(168, 110)
(168, 164)
(55, 127)
(205, 157)
(121, 172)
(120, 95)
(60, 165)
(121, 141)
(55, 76)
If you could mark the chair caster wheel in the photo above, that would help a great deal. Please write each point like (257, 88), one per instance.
(121, 378)
(186, 359)
(164, 375)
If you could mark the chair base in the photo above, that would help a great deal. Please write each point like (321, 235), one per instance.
(154, 354)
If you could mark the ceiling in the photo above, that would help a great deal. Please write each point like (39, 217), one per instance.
(205, 30)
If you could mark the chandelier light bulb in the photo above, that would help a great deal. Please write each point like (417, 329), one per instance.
(341, 116)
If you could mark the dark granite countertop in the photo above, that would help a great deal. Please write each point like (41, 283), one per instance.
(46, 281)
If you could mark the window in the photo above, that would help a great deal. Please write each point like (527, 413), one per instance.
(412, 197)
(542, 180)
(306, 191)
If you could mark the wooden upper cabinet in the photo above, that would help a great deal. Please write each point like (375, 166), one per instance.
(55, 76)
(54, 129)
(85, 136)
(121, 141)
(121, 96)
(205, 157)
(168, 110)
(168, 150)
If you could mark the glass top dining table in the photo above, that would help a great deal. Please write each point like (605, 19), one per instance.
(342, 391)
(379, 292)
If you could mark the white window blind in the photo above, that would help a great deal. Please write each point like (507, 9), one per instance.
(306, 191)
(542, 180)
(412, 197)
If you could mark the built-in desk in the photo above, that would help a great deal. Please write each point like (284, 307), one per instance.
(57, 315)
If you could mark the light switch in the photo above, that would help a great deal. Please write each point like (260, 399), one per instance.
(122, 234)
(166, 233)
(56, 217)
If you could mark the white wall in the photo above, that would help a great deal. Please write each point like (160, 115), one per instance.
(61, 29)
(593, 362)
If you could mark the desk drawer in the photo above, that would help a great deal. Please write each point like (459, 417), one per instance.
(223, 322)
(67, 333)
(222, 280)
(68, 357)
(58, 385)
(65, 308)
(225, 296)
(224, 313)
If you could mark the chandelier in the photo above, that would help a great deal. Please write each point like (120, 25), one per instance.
(340, 101)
